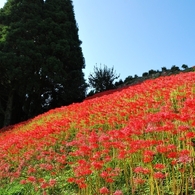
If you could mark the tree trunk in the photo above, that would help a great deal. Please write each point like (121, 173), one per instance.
(8, 111)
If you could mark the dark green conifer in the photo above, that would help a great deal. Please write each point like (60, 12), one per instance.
(41, 60)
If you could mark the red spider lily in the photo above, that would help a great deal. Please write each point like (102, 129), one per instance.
(97, 164)
(71, 180)
(172, 155)
(82, 171)
(16, 174)
(184, 159)
(173, 162)
(165, 148)
(104, 190)
(142, 170)
(161, 149)
(31, 170)
(171, 147)
(159, 175)
(80, 182)
(149, 153)
(109, 174)
(190, 135)
(46, 166)
(138, 180)
(61, 159)
(41, 180)
(184, 152)
(23, 181)
(109, 180)
(159, 166)
(31, 179)
(82, 185)
(52, 182)
(147, 159)
(44, 185)
(122, 154)
(118, 192)
(44, 193)
(104, 174)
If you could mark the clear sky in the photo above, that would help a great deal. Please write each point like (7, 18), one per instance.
(135, 36)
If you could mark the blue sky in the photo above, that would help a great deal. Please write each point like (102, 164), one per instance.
(135, 36)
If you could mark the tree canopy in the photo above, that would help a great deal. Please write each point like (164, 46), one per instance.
(41, 59)
(102, 78)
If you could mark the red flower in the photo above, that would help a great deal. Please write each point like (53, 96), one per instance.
(138, 180)
(184, 159)
(109, 180)
(104, 190)
(141, 170)
(31, 179)
(147, 159)
(104, 174)
(173, 162)
(52, 182)
(122, 154)
(82, 185)
(31, 170)
(23, 181)
(71, 179)
(159, 175)
(159, 166)
(161, 149)
(172, 155)
(44, 185)
(149, 153)
(97, 165)
(118, 192)
(41, 180)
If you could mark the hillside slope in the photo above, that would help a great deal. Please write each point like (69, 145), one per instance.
(139, 140)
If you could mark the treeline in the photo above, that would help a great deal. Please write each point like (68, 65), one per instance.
(130, 80)
(153, 74)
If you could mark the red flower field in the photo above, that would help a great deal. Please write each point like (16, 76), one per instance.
(139, 140)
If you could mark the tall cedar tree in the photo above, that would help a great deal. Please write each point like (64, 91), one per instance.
(41, 60)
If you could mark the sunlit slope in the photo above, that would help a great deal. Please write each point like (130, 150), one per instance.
(127, 142)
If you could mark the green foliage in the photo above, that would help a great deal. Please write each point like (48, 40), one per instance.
(119, 83)
(151, 72)
(164, 69)
(102, 79)
(14, 189)
(145, 74)
(175, 68)
(41, 60)
(128, 79)
(184, 66)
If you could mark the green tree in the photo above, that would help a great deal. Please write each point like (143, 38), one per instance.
(17, 52)
(175, 68)
(184, 66)
(119, 83)
(135, 76)
(102, 79)
(41, 60)
(163, 69)
(128, 79)
(145, 74)
(150, 72)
